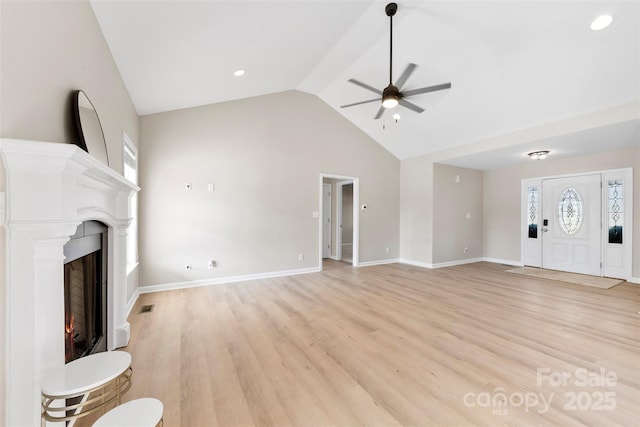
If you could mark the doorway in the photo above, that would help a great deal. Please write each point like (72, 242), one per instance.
(344, 218)
(579, 223)
(571, 224)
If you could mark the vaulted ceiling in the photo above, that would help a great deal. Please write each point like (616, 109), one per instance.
(517, 68)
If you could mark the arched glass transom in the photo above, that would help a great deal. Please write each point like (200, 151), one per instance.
(570, 211)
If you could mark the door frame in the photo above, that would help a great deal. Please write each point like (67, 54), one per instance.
(338, 221)
(356, 216)
(326, 201)
(531, 249)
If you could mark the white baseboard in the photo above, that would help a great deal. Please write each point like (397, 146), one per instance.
(132, 301)
(222, 280)
(441, 264)
(415, 263)
(635, 280)
(458, 262)
(379, 262)
(503, 261)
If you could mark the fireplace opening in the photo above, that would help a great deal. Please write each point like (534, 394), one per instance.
(85, 291)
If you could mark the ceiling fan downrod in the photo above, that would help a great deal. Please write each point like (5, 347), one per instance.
(391, 94)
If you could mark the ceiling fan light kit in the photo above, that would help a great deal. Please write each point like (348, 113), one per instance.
(392, 96)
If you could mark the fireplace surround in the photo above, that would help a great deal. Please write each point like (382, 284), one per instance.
(50, 189)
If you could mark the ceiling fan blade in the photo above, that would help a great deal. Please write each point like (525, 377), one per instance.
(405, 75)
(366, 86)
(411, 106)
(361, 102)
(379, 113)
(426, 89)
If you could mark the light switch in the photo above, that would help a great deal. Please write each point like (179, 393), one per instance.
(211, 187)
(314, 214)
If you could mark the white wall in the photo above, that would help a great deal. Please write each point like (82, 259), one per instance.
(265, 156)
(49, 49)
(457, 193)
(502, 197)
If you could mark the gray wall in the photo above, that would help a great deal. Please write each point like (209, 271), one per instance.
(426, 208)
(47, 50)
(502, 197)
(347, 214)
(434, 227)
(416, 209)
(454, 200)
(265, 156)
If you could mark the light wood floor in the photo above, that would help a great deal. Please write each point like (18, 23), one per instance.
(390, 345)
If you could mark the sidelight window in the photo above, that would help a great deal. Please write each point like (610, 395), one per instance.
(616, 211)
(532, 205)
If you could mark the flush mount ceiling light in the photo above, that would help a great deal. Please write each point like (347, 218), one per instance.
(239, 72)
(538, 155)
(601, 22)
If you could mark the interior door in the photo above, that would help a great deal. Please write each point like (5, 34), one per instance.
(571, 224)
(326, 216)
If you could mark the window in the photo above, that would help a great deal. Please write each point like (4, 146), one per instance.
(130, 168)
(570, 211)
(616, 212)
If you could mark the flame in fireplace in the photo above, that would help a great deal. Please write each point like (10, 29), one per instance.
(68, 339)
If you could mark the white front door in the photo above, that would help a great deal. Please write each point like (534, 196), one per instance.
(571, 224)
(326, 216)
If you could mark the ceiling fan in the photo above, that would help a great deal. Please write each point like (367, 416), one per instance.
(391, 95)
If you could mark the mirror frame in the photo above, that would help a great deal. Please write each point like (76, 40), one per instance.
(94, 146)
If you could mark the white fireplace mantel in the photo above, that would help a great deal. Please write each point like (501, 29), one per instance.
(50, 189)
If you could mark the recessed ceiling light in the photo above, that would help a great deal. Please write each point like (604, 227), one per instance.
(239, 72)
(601, 22)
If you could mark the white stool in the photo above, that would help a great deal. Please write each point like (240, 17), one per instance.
(146, 412)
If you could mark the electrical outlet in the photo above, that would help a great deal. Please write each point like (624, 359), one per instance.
(187, 266)
(188, 186)
(387, 250)
(300, 257)
(211, 187)
(466, 249)
(212, 263)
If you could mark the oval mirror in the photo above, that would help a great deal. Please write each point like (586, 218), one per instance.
(91, 137)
